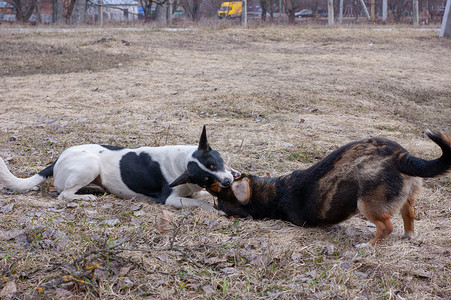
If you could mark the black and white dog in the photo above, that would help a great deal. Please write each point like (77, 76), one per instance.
(167, 175)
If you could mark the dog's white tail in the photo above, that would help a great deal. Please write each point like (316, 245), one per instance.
(8, 180)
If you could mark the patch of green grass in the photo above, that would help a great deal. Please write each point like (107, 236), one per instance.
(301, 155)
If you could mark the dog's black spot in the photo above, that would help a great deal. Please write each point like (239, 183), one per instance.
(200, 177)
(212, 160)
(48, 172)
(143, 175)
(101, 151)
(343, 204)
(113, 148)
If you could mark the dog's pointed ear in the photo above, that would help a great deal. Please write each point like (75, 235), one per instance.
(242, 190)
(203, 143)
(182, 179)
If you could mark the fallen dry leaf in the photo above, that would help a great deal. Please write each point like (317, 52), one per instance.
(7, 208)
(208, 289)
(137, 206)
(11, 234)
(63, 293)
(260, 260)
(9, 289)
(215, 260)
(228, 270)
(124, 270)
(164, 221)
(111, 222)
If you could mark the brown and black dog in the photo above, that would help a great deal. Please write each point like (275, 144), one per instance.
(375, 176)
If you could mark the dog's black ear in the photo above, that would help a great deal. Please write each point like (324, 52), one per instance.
(203, 143)
(242, 190)
(182, 179)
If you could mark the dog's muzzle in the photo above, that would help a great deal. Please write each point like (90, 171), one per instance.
(226, 183)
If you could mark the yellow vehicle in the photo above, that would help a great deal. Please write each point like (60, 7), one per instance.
(230, 10)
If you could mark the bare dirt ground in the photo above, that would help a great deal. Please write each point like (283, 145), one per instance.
(274, 99)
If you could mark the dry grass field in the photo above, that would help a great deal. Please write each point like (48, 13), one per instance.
(274, 99)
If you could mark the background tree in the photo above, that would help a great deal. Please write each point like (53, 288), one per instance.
(68, 10)
(264, 4)
(24, 8)
(79, 12)
(193, 7)
(268, 7)
(57, 14)
(38, 11)
(292, 7)
(210, 7)
(160, 12)
(161, 9)
(273, 5)
(147, 7)
(398, 8)
(176, 4)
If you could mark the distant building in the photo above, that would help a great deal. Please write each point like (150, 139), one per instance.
(7, 12)
(113, 11)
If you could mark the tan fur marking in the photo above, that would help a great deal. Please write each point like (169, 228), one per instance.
(446, 138)
(374, 205)
(215, 188)
(402, 155)
(357, 164)
(242, 191)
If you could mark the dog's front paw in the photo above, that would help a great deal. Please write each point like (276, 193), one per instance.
(201, 195)
(220, 212)
(362, 245)
(407, 235)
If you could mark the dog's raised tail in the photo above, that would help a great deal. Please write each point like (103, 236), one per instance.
(8, 180)
(415, 166)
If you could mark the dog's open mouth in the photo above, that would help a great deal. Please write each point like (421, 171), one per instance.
(236, 174)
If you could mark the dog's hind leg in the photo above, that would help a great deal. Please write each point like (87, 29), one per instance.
(407, 211)
(374, 208)
(382, 221)
(75, 173)
(383, 228)
(408, 216)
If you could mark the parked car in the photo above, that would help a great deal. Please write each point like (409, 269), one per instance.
(230, 10)
(304, 13)
(322, 13)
